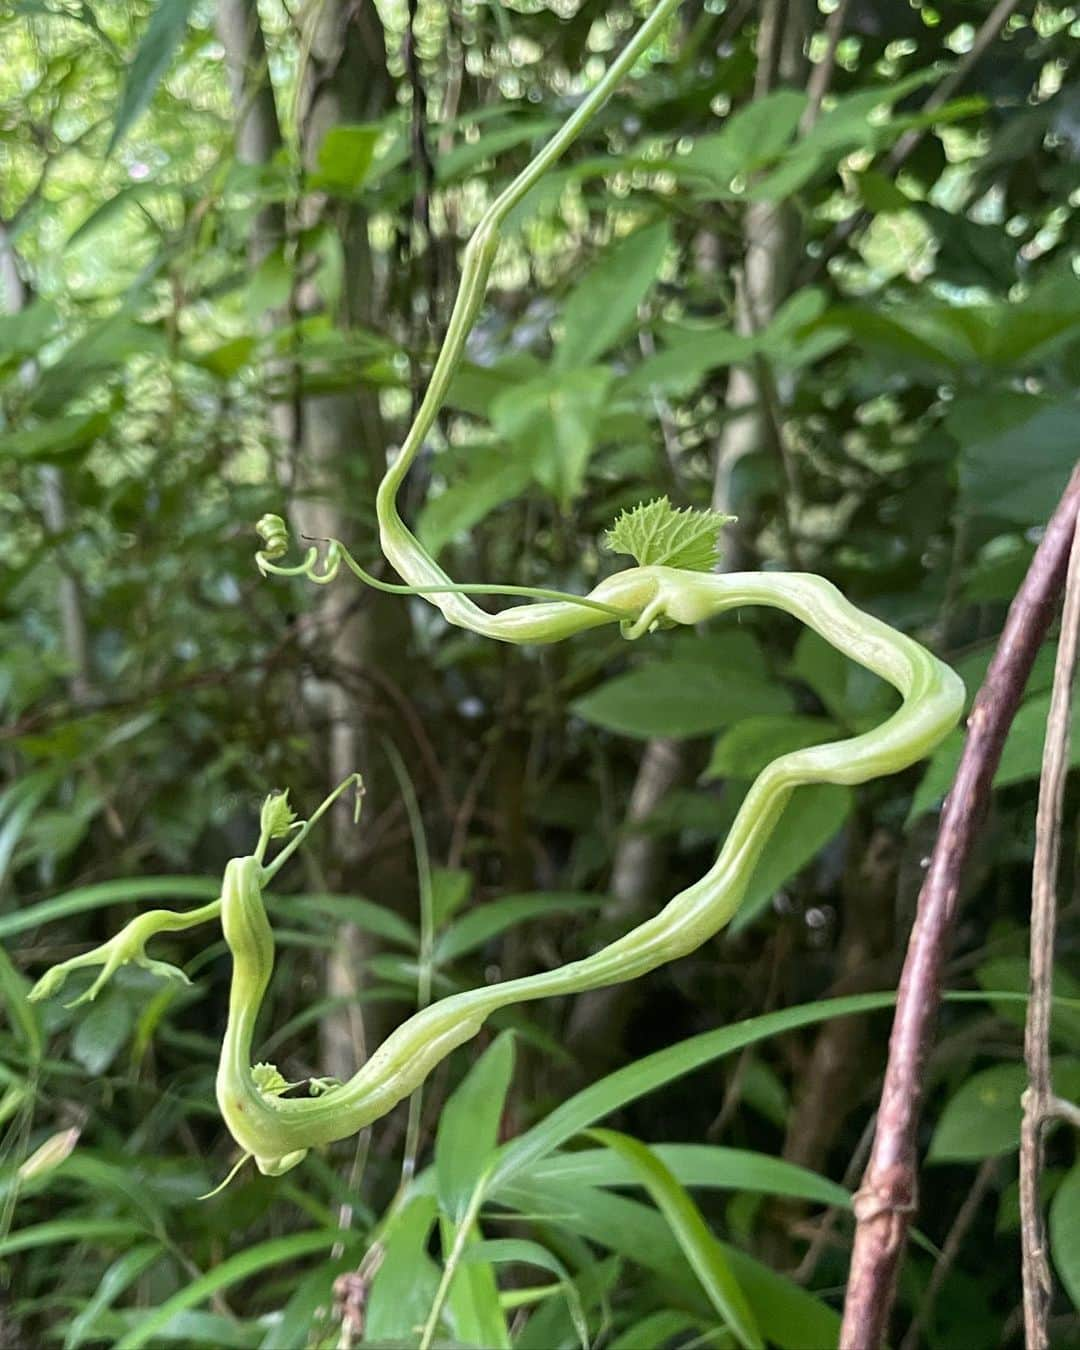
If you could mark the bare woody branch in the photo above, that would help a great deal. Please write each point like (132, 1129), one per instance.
(1039, 1100)
(886, 1200)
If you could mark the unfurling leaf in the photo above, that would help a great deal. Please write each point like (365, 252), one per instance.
(657, 534)
(277, 817)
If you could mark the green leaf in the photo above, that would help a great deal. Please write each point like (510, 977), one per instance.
(658, 1328)
(101, 1031)
(365, 914)
(163, 35)
(132, 889)
(118, 1277)
(577, 1113)
(57, 439)
(815, 814)
(787, 1315)
(25, 333)
(551, 423)
(493, 475)
(469, 1127)
(90, 1230)
(450, 889)
(1016, 453)
(345, 156)
(473, 1308)
(749, 139)
(700, 1247)
(694, 348)
(245, 1264)
(735, 1169)
(678, 699)
(22, 1014)
(753, 743)
(605, 302)
(1021, 756)
(552, 1324)
(404, 1286)
(657, 534)
(1011, 972)
(467, 156)
(522, 1251)
(480, 925)
(983, 1117)
(1065, 1233)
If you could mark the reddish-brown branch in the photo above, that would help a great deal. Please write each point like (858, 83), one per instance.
(886, 1199)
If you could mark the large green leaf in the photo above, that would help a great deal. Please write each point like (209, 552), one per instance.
(1021, 756)
(815, 814)
(705, 1255)
(788, 1316)
(493, 475)
(754, 742)
(344, 157)
(101, 1031)
(469, 1127)
(750, 138)
(58, 439)
(162, 37)
(678, 698)
(605, 301)
(485, 922)
(1016, 453)
(983, 1117)
(405, 1283)
(551, 424)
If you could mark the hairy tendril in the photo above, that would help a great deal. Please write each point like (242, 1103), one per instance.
(277, 1129)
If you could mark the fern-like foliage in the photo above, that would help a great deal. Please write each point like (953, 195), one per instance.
(658, 534)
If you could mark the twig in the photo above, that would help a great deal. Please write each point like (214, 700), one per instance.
(804, 1271)
(817, 86)
(886, 1200)
(961, 1225)
(1039, 1097)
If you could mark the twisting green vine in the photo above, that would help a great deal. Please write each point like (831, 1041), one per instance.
(671, 586)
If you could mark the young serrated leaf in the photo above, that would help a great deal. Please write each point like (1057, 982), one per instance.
(277, 817)
(657, 534)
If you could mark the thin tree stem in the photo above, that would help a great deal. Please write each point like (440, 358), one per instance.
(886, 1200)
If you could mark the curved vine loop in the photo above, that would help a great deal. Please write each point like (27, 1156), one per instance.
(276, 1128)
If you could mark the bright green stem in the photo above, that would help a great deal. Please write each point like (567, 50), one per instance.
(401, 547)
(279, 1129)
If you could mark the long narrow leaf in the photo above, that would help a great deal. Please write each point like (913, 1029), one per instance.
(123, 1271)
(242, 1266)
(691, 1232)
(162, 37)
(788, 1315)
(626, 1085)
(696, 1165)
(69, 1230)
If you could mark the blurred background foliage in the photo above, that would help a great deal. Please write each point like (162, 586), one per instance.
(815, 265)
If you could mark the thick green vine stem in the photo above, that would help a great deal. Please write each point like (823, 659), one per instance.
(276, 1128)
